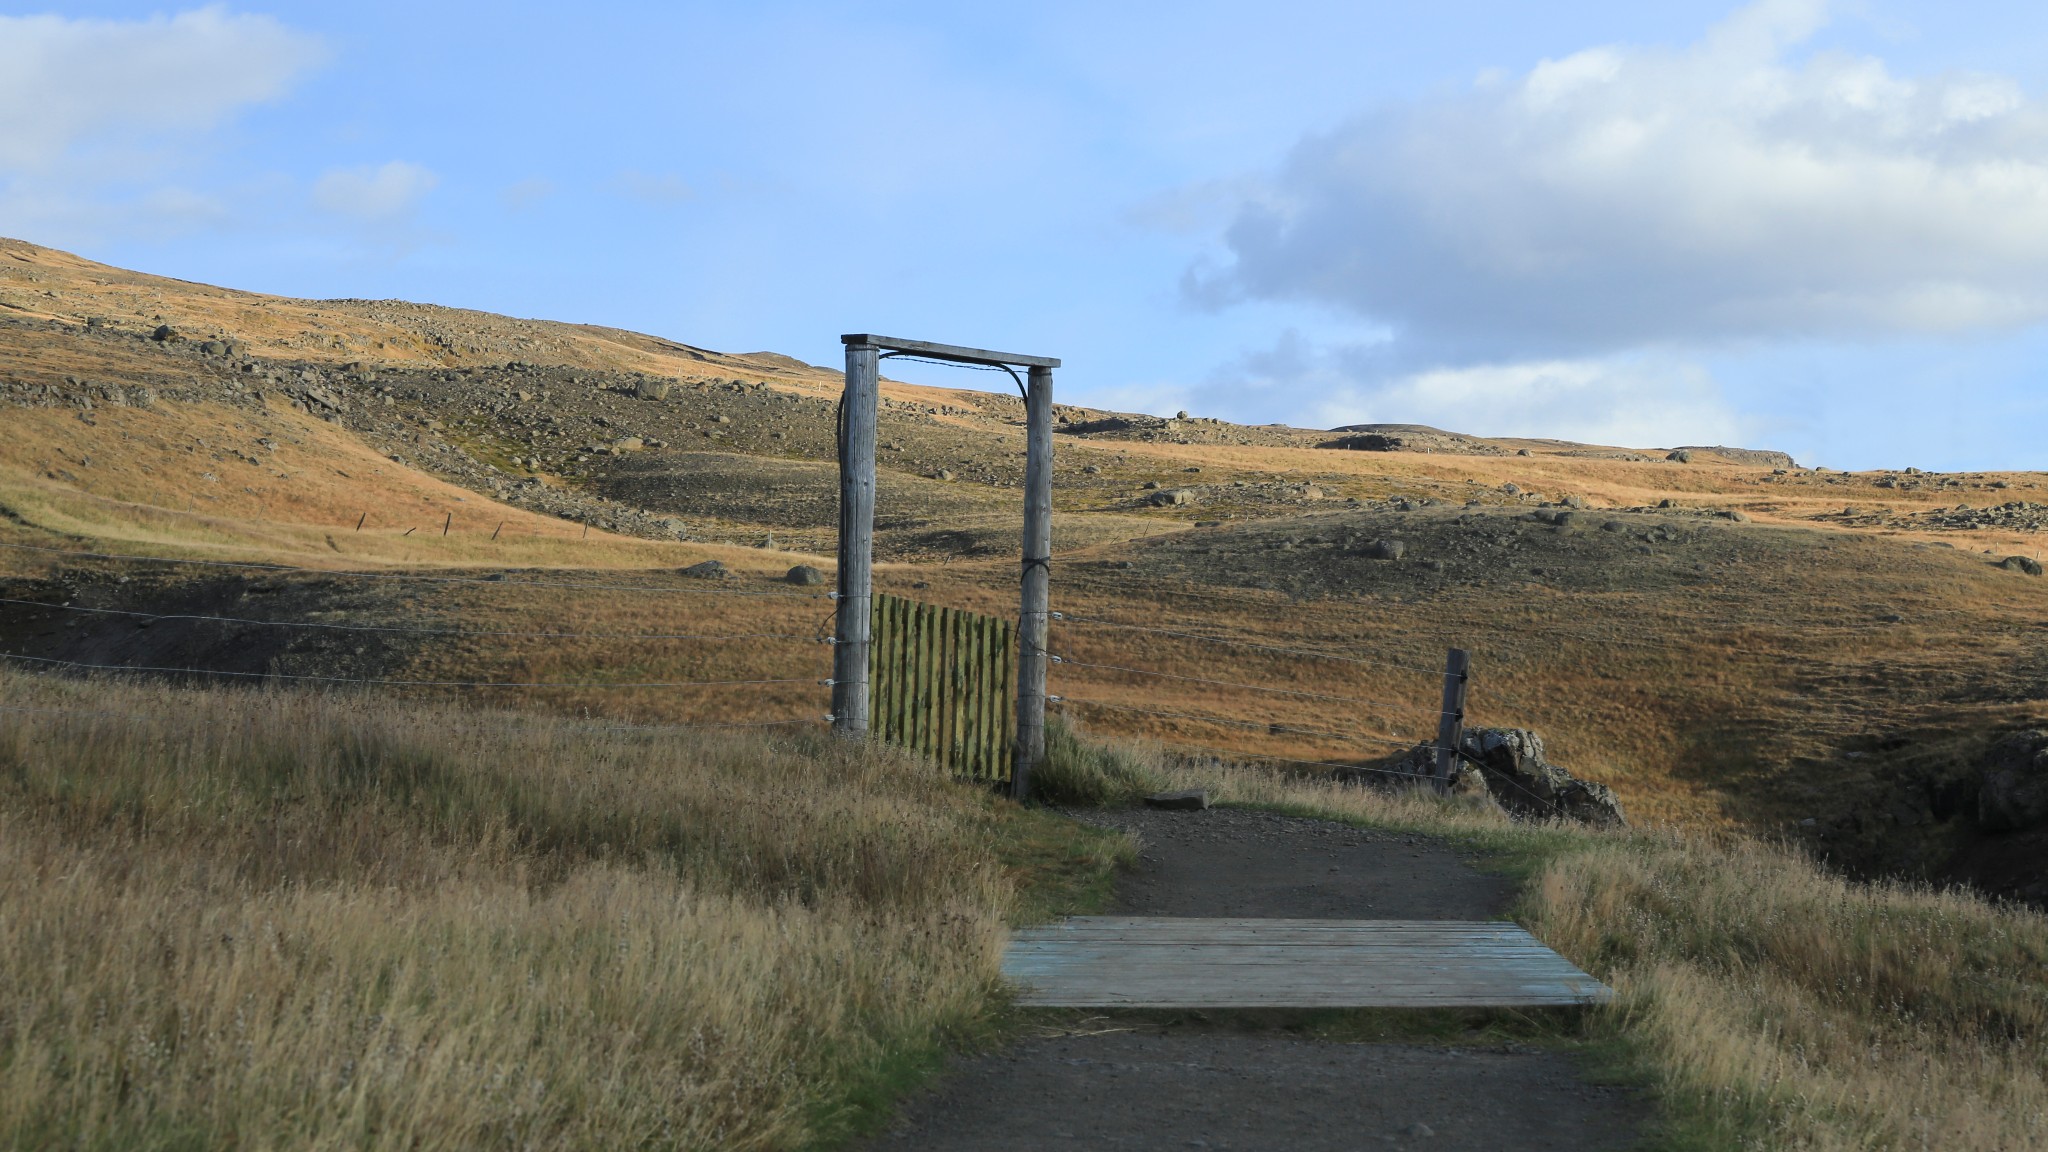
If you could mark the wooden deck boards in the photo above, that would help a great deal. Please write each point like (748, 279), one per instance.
(1156, 962)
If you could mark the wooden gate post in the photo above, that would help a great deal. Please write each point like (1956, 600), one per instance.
(1036, 598)
(853, 628)
(1450, 727)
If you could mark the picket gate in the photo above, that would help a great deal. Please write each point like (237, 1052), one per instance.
(943, 684)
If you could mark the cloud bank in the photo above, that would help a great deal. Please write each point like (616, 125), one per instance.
(102, 120)
(67, 85)
(1623, 197)
(1612, 217)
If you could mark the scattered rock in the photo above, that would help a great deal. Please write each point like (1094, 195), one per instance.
(1735, 514)
(2014, 792)
(1172, 497)
(668, 524)
(943, 474)
(1679, 456)
(708, 570)
(1150, 485)
(651, 390)
(1511, 489)
(805, 575)
(165, 334)
(2027, 564)
(1385, 550)
(1092, 470)
(1192, 800)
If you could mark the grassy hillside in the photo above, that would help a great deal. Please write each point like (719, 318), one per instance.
(1727, 641)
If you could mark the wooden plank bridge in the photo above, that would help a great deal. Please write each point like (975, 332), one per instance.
(1159, 962)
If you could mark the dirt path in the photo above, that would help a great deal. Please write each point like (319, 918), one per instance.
(1160, 1083)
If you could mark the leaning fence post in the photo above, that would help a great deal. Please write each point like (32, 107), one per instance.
(1450, 726)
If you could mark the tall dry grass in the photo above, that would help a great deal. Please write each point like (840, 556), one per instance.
(1773, 1004)
(1788, 1008)
(276, 920)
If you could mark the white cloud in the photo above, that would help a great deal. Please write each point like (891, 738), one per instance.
(1631, 402)
(1634, 399)
(1628, 197)
(68, 84)
(103, 123)
(380, 194)
(660, 189)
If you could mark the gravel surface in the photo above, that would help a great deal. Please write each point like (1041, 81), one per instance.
(1236, 862)
(1148, 1082)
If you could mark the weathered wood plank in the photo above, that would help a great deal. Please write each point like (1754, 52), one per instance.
(1160, 962)
(955, 352)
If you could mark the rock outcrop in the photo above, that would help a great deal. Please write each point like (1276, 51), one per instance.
(1525, 783)
(1506, 766)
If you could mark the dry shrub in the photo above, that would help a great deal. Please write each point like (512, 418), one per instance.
(278, 920)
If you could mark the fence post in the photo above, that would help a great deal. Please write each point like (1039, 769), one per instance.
(1450, 726)
(853, 628)
(1036, 595)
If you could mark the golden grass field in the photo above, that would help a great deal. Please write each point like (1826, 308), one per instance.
(249, 919)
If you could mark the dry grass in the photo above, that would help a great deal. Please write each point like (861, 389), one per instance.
(1786, 1008)
(1773, 1005)
(275, 920)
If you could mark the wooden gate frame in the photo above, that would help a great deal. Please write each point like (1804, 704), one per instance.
(854, 630)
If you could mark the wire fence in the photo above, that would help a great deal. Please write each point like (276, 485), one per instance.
(1184, 689)
(787, 677)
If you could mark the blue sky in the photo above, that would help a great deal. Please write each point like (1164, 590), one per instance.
(1819, 227)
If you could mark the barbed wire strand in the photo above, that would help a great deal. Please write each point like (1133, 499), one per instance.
(579, 725)
(1255, 726)
(1255, 756)
(1072, 663)
(1061, 617)
(414, 577)
(598, 684)
(414, 630)
(1461, 754)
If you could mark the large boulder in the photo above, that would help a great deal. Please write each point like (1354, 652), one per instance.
(1523, 781)
(2014, 792)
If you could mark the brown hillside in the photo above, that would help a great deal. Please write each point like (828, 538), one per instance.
(1728, 640)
